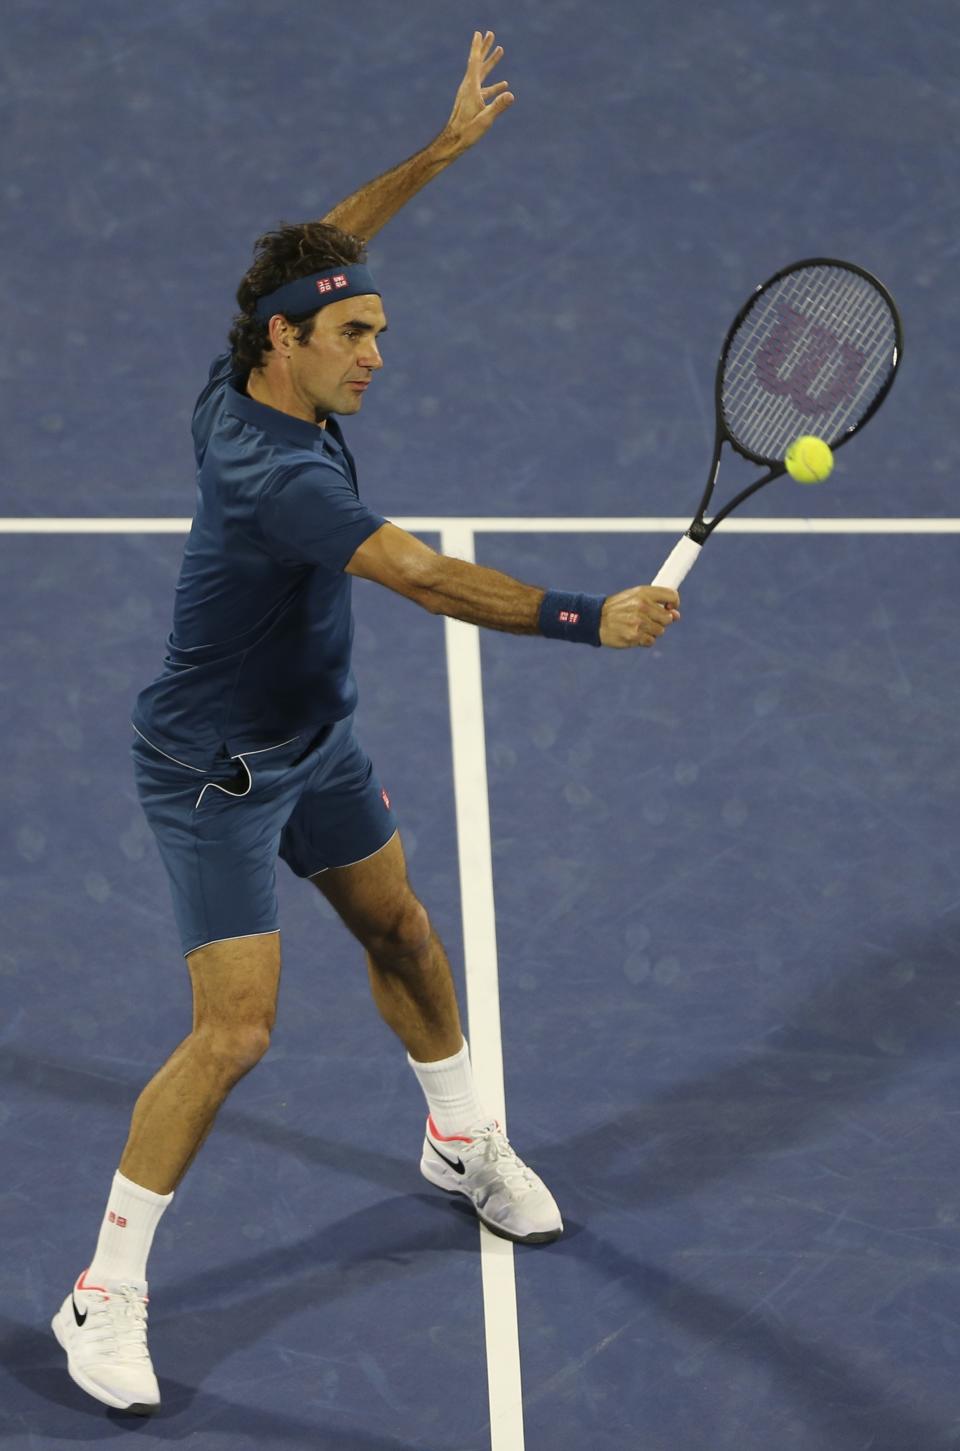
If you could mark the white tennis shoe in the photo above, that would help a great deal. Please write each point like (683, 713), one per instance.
(103, 1329)
(510, 1199)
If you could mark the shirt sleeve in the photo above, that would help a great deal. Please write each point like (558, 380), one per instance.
(220, 368)
(217, 380)
(311, 515)
(218, 376)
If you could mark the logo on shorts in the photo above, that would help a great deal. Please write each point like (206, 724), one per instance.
(385, 798)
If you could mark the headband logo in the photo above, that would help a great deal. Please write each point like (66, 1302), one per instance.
(327, 284)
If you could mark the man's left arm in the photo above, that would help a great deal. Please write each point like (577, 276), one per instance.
(475, 108)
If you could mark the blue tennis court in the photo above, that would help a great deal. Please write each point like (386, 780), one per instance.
(702, 901)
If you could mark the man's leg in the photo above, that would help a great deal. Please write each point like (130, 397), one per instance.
(464, 1150)
(410, 975)
(234, 1009)
(102, 1324)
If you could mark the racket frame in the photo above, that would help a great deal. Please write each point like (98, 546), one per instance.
(700, 529)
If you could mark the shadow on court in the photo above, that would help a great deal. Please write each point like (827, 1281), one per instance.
(261, 1319)
(854, 1040)
(201, 1321)
(76, 1083)
(850, 1410)
(849, 1042)
(57, 1408)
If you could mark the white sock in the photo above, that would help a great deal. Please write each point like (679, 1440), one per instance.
(126, 1234)
(451, 1095)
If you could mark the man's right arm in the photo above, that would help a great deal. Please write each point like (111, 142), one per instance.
(447, 586)
(496, 601)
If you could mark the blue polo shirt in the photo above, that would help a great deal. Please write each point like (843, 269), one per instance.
(262, 625)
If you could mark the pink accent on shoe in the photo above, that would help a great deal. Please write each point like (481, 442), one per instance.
(81, 1286)
(447, 1138)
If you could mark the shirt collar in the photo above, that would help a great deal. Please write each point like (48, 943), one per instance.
(282, 425)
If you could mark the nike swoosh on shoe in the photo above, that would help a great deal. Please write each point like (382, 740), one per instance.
(456, 1164)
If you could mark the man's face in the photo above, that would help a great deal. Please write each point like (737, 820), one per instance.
(332, 371)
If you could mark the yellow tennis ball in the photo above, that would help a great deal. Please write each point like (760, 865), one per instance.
(809, 460)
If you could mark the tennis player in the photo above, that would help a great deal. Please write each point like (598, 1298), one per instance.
(244, 744)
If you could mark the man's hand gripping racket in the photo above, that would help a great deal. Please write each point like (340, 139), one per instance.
(813, 351)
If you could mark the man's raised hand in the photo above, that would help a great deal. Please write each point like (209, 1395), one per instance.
(477, 105)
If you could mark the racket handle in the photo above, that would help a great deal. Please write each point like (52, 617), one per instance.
(678, 563)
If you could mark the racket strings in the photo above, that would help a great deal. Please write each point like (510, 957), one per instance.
(810, 356)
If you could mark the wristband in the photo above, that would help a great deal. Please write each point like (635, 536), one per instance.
(571, 617)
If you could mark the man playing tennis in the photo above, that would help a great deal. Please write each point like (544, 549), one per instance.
(245, 749)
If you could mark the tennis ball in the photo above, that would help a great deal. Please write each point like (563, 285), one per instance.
(809, 460)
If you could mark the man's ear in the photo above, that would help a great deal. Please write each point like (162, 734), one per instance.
(280, 335)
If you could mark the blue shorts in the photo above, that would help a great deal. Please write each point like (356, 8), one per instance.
(315, 801)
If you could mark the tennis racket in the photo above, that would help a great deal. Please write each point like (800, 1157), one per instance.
(814, 351)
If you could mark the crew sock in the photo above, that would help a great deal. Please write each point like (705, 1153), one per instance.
(450, 1092)
(129, 1223)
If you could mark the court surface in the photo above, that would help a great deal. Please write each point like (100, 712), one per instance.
(702, 900)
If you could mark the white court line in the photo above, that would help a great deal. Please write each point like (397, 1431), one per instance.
(601, 524)
(474, 849)
(479, 931)
(483, 994)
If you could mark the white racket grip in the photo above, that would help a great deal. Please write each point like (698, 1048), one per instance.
(678, 563)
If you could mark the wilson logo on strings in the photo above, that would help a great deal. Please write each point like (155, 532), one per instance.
(824, 369)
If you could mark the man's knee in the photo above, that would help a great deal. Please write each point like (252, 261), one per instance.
(232, 1049)
(403, 932)
(235, 1001)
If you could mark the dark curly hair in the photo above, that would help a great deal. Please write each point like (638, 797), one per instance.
(292, 250)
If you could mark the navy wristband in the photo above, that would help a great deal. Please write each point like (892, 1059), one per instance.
(571, 617)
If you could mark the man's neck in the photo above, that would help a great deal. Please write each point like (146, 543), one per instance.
(260, 389)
